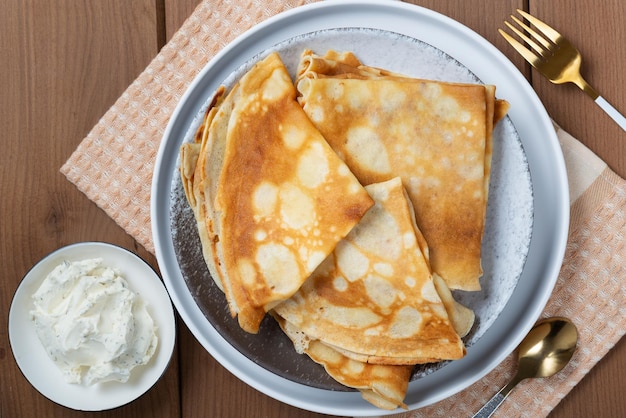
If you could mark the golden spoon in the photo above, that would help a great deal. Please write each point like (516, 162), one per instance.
(546, 349)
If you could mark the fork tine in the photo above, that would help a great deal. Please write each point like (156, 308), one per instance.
(525, 38)
(523, 51)
(550, 33)
(532, 33)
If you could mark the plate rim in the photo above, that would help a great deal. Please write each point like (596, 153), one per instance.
(107, 395)
(560, 222)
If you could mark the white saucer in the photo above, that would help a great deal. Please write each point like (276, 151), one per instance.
(39, 369)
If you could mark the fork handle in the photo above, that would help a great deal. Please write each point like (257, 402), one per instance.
(611, 111)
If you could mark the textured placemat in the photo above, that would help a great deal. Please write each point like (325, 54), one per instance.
(112, 166)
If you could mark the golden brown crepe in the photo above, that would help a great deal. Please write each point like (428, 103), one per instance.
(461, 317)
(194, 171)
(384, 386)
(275, 184)
(373, 299)
(436, 136)
(264, 186)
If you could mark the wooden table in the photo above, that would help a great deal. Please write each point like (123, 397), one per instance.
(63, 64)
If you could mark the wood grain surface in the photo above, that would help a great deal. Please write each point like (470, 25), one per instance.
(64, 63)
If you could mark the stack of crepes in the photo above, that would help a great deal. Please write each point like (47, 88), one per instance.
(346, 204)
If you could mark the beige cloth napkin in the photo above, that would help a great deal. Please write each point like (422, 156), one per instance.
(113, 165)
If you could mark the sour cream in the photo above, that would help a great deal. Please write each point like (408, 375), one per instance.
(91, 324)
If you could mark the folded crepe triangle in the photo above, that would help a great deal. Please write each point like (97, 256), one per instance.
(372, 309)
(382, 385)
(374, 299)
(263, 184)
(436, 136)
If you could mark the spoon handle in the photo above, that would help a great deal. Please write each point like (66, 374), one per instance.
(490, 407)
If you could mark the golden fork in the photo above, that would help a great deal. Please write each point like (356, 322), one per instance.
(554, 57)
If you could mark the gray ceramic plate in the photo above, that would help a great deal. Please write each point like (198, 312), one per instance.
(526, 221)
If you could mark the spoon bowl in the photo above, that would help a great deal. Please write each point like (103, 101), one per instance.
(546, 349)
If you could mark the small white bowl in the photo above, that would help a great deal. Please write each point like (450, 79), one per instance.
(41, 371)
